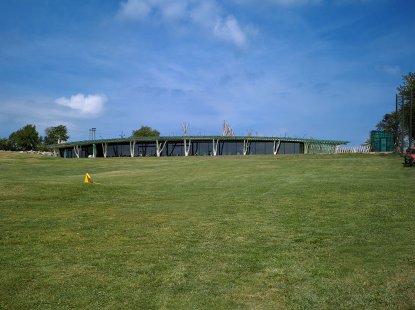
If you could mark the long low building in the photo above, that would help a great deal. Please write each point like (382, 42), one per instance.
(195, 146)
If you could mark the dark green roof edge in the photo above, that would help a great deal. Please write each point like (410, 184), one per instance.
(200, 138)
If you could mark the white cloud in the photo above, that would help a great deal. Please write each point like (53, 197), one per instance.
(357, 1)
(206, 15)
(392, 70)
(17, 112)
(293, 2)
(88, 105)
(141, 9)
(229, 30)
(174, 10)
(134, 9)
(279, 2)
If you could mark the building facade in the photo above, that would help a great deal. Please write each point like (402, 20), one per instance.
(195, 146)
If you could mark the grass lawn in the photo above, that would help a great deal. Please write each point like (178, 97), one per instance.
(262, 232)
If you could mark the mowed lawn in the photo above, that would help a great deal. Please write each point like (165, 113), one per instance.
(254, 232)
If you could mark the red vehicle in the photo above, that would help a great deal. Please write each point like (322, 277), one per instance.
(410, 157)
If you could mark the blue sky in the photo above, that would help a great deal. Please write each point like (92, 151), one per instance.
(298, 68)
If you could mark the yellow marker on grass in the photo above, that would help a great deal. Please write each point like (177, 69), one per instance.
(88, 179)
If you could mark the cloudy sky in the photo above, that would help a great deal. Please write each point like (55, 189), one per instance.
(323, 69)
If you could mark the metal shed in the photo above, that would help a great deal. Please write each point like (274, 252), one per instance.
(382, 141)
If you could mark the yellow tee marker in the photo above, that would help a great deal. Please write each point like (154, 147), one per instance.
(88, 179)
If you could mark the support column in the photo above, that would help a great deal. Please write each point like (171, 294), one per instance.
(132, 147)
(104, 149)
(160, 147)
(94, 150)
(185, 127)
(186, 147)
(309, 148)
(276, 147)
(76, 149)
(246, 147)
(306, 147)
(215, 147)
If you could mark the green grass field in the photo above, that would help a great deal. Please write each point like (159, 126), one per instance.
(259, 232)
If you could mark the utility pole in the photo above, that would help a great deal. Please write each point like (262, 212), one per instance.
(92, 133)
(397, 127)
(410, 120)
(402, 123)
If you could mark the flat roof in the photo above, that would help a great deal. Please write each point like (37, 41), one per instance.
(199, 138)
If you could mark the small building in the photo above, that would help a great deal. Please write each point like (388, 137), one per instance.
(382, 141)
(195, 146)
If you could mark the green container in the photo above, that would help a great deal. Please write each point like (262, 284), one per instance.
(382, 141)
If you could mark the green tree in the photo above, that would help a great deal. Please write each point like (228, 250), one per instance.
(393, 121)
(4, 144)
(408, 85)
(390, 122)
(146, 131)
(406, 91)
(25, 139)
(54, 135)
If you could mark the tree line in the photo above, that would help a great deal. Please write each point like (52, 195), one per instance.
(28, 138)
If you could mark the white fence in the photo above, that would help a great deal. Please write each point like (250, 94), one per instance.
(352, 149)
